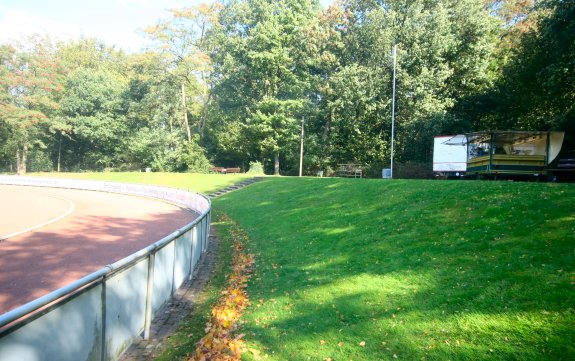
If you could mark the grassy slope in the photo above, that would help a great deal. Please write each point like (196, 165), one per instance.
(203, 183)
(416, 269)
(191, 330)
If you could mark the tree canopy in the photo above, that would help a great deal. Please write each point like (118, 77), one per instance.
(231, 83)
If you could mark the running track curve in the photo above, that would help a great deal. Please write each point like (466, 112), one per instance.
(83, 232)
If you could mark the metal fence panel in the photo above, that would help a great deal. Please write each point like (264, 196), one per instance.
(125, 307)
(195, 247)
(163, 278)
(183, 258)
(71, 332)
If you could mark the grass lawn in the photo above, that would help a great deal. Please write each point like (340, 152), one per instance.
(432, 270)
(355, 269)
(202, 183)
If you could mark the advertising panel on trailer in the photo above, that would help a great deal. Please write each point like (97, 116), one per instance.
(449, 160)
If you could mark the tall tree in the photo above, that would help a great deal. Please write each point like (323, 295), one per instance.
(260, 69)
(153, 109)
(444, 54)
(93, 105)
(537, 88)
(183, 39)
(29, 82)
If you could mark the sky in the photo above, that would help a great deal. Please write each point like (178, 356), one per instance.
(112, 21)
(115, 22)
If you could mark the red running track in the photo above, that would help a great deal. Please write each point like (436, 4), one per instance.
(83, 231)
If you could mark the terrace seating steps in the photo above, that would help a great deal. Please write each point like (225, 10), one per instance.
(240, 185)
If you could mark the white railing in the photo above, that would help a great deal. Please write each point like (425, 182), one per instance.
(98, 317)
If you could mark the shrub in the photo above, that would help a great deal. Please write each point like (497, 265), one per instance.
(256, 168)
(195, 159)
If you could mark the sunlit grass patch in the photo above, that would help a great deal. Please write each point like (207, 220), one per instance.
(197, 182)
(413, 269)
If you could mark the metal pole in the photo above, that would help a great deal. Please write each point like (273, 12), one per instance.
(203, 223)
(194, 237)
(103, 305)
(149, 294)
(393, 109)
(301, 149)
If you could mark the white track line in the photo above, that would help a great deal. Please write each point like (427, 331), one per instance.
(66, 214)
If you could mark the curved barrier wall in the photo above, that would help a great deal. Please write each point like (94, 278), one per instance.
(99, 316)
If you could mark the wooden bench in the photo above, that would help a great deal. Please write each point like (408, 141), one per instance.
(351, 170)
(222, 170)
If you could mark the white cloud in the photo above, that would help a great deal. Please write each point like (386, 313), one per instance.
(16, 24)
(129, 41)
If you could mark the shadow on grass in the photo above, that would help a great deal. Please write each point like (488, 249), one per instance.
(458, 270)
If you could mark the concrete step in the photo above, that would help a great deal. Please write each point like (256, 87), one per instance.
(235, 187)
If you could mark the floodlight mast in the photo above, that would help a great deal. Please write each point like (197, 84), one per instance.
(393, 108)
(301, 149)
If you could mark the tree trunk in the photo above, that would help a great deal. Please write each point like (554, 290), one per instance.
(327, 127)
(18, 160)
(59, 152)
(21, 158)
(204, 117)
(277, 163)
(185, 110)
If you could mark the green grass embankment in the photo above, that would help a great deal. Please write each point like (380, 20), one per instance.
(409, 269)
(197, 182)
(429, 270)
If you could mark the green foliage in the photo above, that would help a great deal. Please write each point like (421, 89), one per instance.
(540, 79)
(39, 161)
(256, 168)
(237, 78)
(29, 87)
(416, 269)
(261, 80)
(92, 105)
(536, 87)
(444, 50)
(192, 158)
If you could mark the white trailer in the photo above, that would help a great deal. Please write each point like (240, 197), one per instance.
(449, 159)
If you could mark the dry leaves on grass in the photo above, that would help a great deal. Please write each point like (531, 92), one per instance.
(219, 342)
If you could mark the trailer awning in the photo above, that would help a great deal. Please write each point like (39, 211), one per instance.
(506, 137)
(459, 139)
(550, 142)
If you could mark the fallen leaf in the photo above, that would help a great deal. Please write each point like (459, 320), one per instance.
(321, 342)
(362, 343)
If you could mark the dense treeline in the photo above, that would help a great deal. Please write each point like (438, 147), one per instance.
(230, 83)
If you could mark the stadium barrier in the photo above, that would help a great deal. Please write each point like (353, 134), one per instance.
(99, 316)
